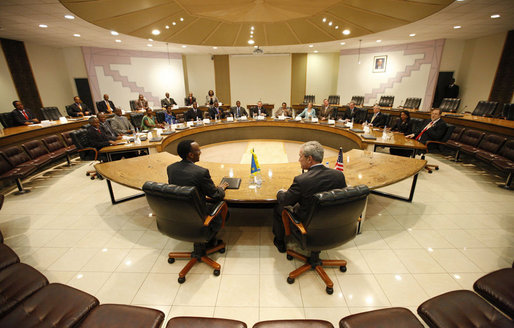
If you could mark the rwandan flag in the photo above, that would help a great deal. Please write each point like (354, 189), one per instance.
(255, 164)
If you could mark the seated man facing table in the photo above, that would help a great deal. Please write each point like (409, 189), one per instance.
(190, 99)
(283, 111)
(97, 137)
(167, 101)
(238, 111)
(106, 106)
(308, 113)
(318, 178)
(121, 124)
(141, 103)
(349, 114)
(194, 113)
(106, 127)
(187, 173)
(216, 111)
(326, 112)
(432, 129)
(21, 115)
(149, 122)
(169, 116)
(78, 108)
(378, 119)
(259, 110)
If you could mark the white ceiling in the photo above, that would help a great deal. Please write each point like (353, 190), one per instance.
(19, 20)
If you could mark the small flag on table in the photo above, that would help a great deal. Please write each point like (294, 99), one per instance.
(255, 164)
(339, 163)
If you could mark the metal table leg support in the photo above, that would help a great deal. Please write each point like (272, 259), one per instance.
(115, 201)
(411, 195)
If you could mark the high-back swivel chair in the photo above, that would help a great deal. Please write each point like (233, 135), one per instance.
(332, 221)
(181, 214)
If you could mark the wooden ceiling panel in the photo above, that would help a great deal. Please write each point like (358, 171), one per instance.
(280, 33)
(194, 33)
(224, 35)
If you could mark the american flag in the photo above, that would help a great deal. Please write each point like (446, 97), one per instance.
(339, 163)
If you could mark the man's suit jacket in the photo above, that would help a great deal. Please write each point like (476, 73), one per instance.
(108, 131)
(436, 132)
(242, 112)
(319, 178)
(75, 110)
(192, 116)
(102, 106)
(18, 117)
(348, 114)
(255, 110)
(121, 124)
(328, 113)
(97, 139)
(189, 102)
(186, 173)
(380, 120)
(165, 102)
(212, 112)
(285, 112)
(141, 104)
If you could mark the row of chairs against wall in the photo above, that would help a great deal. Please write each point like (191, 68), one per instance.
(384, 101)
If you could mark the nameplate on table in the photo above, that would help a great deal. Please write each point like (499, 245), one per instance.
(260, 118)
(233, 183)
(298, 118)
(314, 120)
(331, 122)
(243, 118)
(206, 121)
(182, 127)
(190, 123)
(156, 139)
(230, 119)
(166, 133)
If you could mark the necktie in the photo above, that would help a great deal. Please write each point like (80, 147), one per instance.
(237, 113)
(108, 106)
(426, 128)
(80, 107)
(25, 114)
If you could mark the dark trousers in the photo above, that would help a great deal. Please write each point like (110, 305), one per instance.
(278, 226)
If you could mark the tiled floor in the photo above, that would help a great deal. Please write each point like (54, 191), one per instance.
(459, 227)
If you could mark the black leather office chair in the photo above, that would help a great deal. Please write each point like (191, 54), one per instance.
(446, 137)
(181, 214)
(132, 105)
(7, 120)
(136, 119)
(86, 152)
(332, 221)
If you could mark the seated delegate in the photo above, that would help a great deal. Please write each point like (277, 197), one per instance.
(259, 110)
(194, 113)
(106, 127)
(326, 112)
(283, 111)
(78, 108)
(190, 99)
(121, 124)
(169, 116)
(210, 99)
(431, 129)
(141, 103)
(216, 112)
(403, 125)
(308, 113)
(378, 119)
(237, 111)
(149, 122)
(21, 115)
(106, 105)
(167, 101)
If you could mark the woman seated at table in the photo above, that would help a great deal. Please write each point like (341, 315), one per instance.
(149, 122)
(169, 116)
(403, 125)
(210, 99)
(308, 113)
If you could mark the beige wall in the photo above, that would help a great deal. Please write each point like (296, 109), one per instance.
(322, 73)
(478, 68)
(75, 66)
(200, 75)
(452, 55)
(298, 77)
(8, 91)
(51, 75)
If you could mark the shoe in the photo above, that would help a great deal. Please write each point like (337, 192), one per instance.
(280, 245)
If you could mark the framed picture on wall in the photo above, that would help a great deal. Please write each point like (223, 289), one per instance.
(379, 64)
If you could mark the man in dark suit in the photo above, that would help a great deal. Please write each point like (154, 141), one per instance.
(187, 173)
(167, 101)
(216, 111)
(238, 111)
(194, 113)
(106, 128)
(432, 129)
(259, 110)
(97, 137)
(350, 112)
(78, 108)
(378, 119)
(21, 115)
(190, 99)
(318, 178)
(106, 106)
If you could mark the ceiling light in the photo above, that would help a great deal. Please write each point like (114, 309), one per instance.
(343, 43)
(167, 27)
(174, 23)
(346, 32)
(251, 36)
(149, 44)
(495, 16)
(315, 51)
(324, 19)
(76, 35)
(378, 41)
(251, 41)
(181, 19)
(118, 40)
(251, 32)
(114, 33)
(43, 25)
(412, 34)
(330, 23)
(214, 48)
(184, 46)
(156, 32)
(256, 46)
(337, 27)
(252, 28)
(69, 16)
(311, 45)
(151, 40)
(457, 27)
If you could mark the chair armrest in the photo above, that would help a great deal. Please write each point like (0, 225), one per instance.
(91, 149)
(287, 219)
(222, 208)
(433, 142)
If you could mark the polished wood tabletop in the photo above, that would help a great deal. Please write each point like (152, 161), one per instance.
(360, 167)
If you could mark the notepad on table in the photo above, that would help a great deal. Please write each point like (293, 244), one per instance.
(233, 183)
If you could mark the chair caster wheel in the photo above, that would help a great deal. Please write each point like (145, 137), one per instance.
(430, 172)
(222, 250)
(181, 280)
(92, 178)
(216, 272)
(87, 174)
(289, 257)
(437, 168)
(171, 260)
(330, 290)
(290, 280)
(342, 268)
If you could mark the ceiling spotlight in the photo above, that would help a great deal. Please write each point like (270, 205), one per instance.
(337, 27)
(214, 48)
(69, 16)
(311, 45)
(346, 32)
(251, 41)
(251, 32)
(256, 46)
(151, 40)
(76, 35)
(251, 36)
(495, 16)
(378, 41)
(184, 46)
(167, 27)
(324, 19)
(330, 23)
(174, 23)
(149, 45)
(252, 28)
(457, 27)
(342, 43)
(156, 32)
(43, 25)
(315, 51)
(118, 40)
(114, 33)
(181, 19)
(412, 34)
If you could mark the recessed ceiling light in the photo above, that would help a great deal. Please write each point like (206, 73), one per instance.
(156, 32)
(324, 19)
(346, 32)
(118, 40)
(76, 35)
(43, 25)
(251, 36)
(184, 46)
(256, 46)
(330, 23)
(412, 34)
(379, 41)
(457, 27)
(337, 27)
(69, 16)
(495, 16)
(251, 41)
(315, 51)
(252, 28)
(114, 33)
(151, 40)
(214, 48)
(174, 23)
(181, 19)
(149, 44)
(251, 32)
(311, 45)
(342, 43)
(167, 27)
